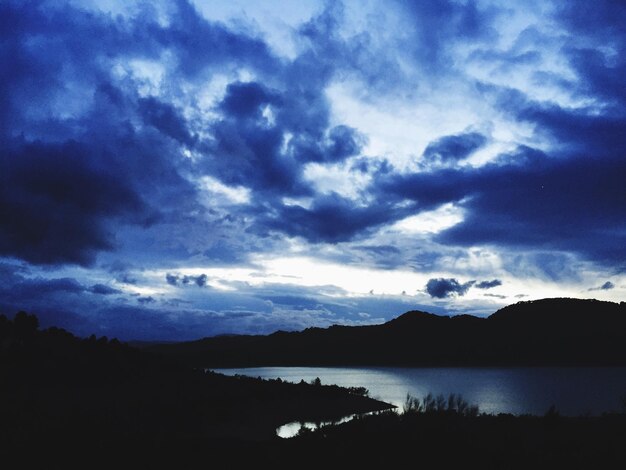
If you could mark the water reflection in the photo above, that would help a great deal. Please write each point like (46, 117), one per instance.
(574, 391)
(291, 429)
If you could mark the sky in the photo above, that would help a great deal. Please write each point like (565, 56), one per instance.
(178, 169)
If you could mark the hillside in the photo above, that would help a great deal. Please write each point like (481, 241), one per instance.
(95, 397)
(545, 332)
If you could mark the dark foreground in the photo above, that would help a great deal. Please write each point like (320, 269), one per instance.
(452, 441)
(385, 441)
(67, 402)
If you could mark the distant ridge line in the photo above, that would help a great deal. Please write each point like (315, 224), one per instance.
(554, 331)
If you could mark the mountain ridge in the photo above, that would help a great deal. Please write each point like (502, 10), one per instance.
(555, 331)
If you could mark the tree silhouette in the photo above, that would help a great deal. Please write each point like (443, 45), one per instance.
(5, 327)
(25, 325)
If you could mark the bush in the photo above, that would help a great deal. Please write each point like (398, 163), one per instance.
(412, 405)
(454, 404)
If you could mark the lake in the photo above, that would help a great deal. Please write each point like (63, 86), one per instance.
(574, 391)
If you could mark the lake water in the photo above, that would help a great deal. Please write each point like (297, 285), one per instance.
(574, 391)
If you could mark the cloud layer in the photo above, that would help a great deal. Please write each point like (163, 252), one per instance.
(144, 146)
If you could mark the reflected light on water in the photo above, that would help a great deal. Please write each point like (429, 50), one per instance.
(574, 391)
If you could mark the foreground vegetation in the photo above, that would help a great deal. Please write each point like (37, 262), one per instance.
(449, 438)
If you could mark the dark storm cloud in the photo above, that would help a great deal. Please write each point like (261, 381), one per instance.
(244, 100)
(43, 286)
(199, 280)
(166, 119)
(67, 182)
(177, 279)
(172, 279)
(103, 289)
(331, 219)
(454, 147)
(20, 288)
(441, 288)
(608, 285)
(529, 199)
(344, 142)
(600, 24)
(488, 284)
(56, 200)
(248, 149)
(338, 144)
(580, 131)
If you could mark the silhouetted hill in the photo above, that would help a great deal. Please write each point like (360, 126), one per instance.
(88, 398)
(543, 332)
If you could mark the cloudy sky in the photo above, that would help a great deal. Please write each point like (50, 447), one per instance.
(178, 169)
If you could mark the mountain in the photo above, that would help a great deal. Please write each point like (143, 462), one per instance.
(559, 331)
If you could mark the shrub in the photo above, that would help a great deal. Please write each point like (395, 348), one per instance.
(454, 404)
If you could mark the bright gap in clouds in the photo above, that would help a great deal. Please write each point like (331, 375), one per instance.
(353, 280)
(223, 193)
(308, 272)
(342, 281)
(431, 222)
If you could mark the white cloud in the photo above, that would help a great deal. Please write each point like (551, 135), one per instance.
(429, 222)
(215, 191)
(336, 178)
